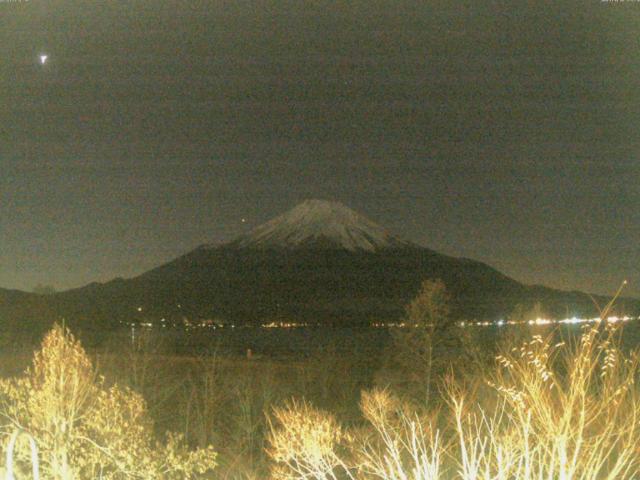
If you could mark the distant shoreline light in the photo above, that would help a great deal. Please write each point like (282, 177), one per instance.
(537, 321)
(189, 325)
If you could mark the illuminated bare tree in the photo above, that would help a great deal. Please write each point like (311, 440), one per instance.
(427, 328)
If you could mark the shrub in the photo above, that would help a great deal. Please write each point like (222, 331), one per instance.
(401, 444)
(304, 443)
(84, 428)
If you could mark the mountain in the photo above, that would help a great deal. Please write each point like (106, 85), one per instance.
(319, 262)
(318, 224)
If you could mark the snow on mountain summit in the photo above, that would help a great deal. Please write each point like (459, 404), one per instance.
(320, 224)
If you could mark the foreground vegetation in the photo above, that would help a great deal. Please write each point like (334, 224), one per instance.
(548, 411)
(85, 428)
(437, 405)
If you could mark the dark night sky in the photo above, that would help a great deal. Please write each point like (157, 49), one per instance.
(493, 130)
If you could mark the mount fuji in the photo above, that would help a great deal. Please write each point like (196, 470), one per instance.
(320, 262)
(320, 224)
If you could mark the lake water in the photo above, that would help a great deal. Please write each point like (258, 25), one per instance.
(303, 341)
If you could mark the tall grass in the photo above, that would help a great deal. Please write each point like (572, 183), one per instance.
(548, 409)
(565, 411)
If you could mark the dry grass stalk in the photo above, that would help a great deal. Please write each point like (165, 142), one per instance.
(557, 410)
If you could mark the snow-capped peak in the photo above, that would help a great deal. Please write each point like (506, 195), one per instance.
(320, 224)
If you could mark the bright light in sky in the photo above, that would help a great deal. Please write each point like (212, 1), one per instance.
(43, 59)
